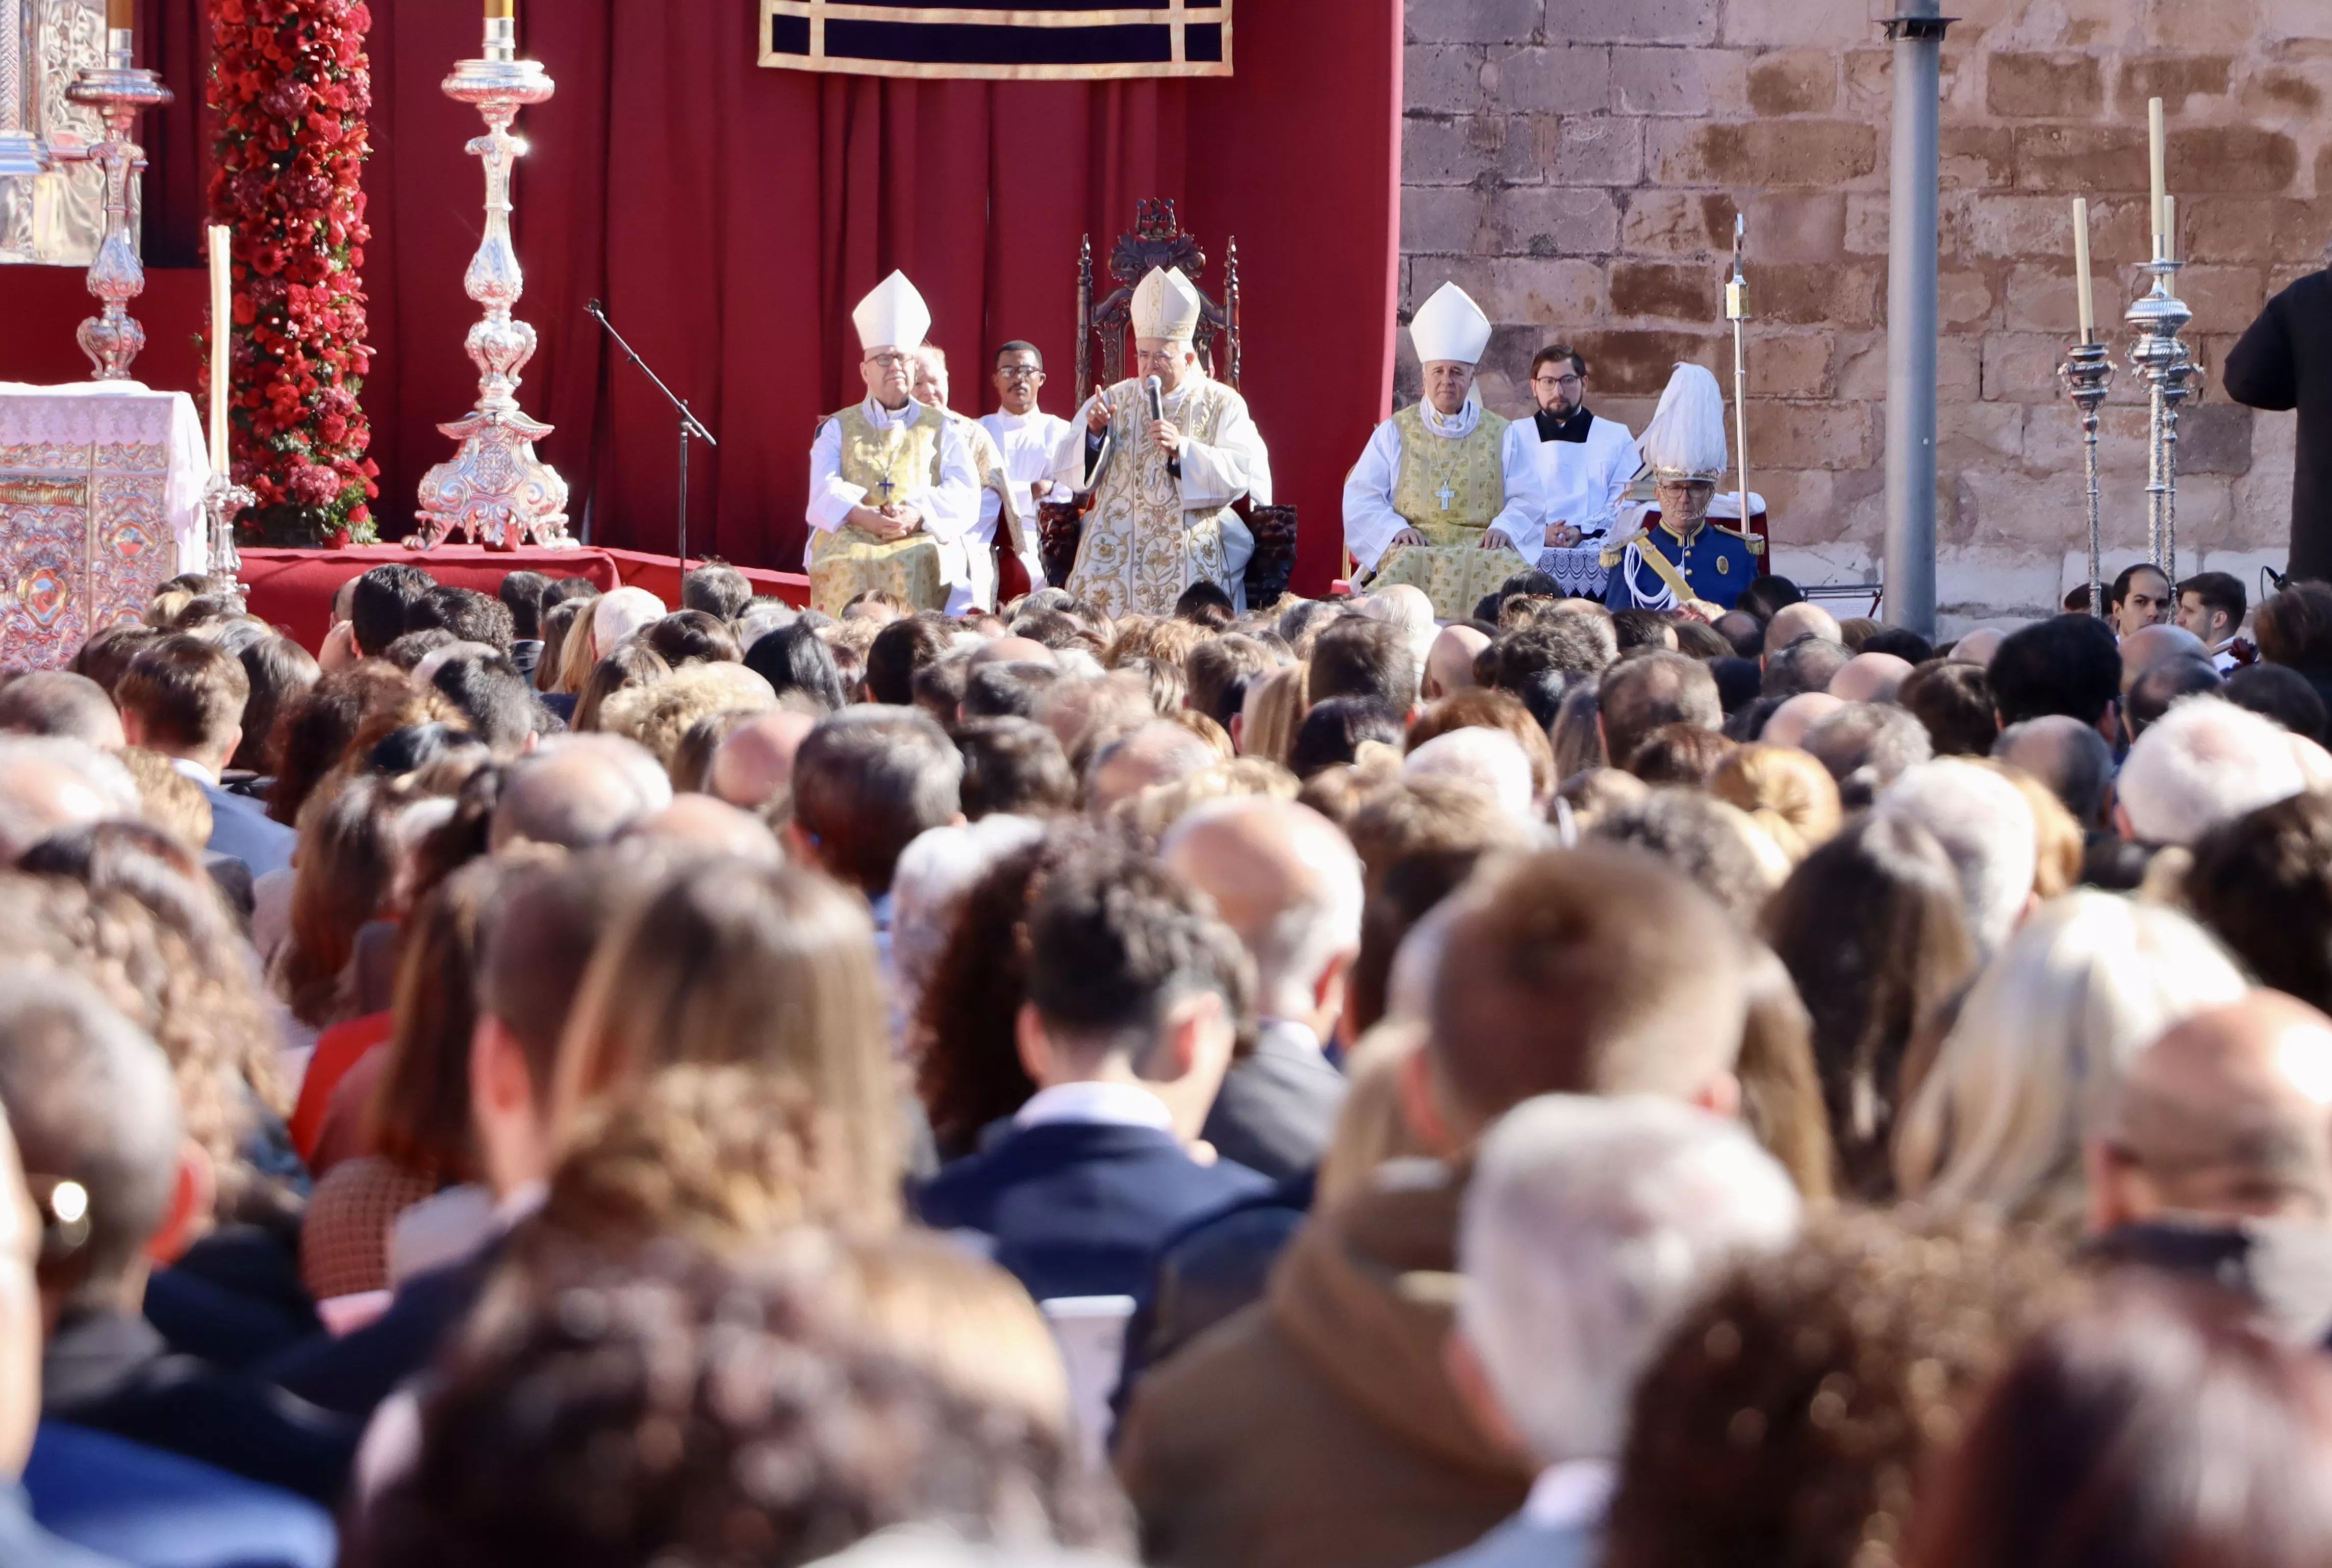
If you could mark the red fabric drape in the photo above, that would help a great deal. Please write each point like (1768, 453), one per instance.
(730, 216)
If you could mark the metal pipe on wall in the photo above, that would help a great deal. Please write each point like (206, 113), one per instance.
(1917, 34)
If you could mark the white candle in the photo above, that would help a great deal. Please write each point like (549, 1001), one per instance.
(2081, 269)
(221, 333)
(2170, 228)
(2161, 188)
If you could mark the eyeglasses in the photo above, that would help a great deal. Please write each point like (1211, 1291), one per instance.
(1148, 358)
(1566, 382)
(1019, 372)
(892, 362)
(65, 1215)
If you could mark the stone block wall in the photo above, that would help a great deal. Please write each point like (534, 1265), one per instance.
(1576, 165)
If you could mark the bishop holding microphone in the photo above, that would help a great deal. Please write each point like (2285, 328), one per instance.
(1163, 455)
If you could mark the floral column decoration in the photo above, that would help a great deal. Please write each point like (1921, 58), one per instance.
(291, 85)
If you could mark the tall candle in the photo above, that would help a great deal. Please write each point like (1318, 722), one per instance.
(2170, 228)
(2081, 269)
(120, 14)
(501, 10)
(2161, 185)
(222, 332)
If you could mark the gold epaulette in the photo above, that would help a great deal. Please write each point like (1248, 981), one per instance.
(1613, 549)
(1755, 542)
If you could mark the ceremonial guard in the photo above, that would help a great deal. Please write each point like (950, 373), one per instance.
(1163, 453)
(1444, 497)
(893, 489)
(1685, 557)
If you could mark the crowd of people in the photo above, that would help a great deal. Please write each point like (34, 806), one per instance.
(560, 1078)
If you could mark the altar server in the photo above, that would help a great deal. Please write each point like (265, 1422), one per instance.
(1004, 517)
(1445, 496)
(1027, 435)
(892, 490)
(1163, 478)
(1584, 462)
(1683, 557)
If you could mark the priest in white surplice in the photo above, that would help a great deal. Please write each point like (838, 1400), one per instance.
(1027, 435)
(1162, 482)
(1005, 520)
(1444, 495)
(893, 489)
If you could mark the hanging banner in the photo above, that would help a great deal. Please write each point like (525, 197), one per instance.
(1029, 40)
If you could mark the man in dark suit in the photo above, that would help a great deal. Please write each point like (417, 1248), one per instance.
(150, 1509)
(1288, 884)
(2284, 361)
(95, 1108)
(1134, 1002)
(184, 698)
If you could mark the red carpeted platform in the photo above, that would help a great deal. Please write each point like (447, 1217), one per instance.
(293, 588)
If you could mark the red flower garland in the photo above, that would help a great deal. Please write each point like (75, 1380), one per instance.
(291, 85)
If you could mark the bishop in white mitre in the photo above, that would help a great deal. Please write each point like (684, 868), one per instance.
(1445, 496)
(1027, 435)
(893, 489)
(1162, 481)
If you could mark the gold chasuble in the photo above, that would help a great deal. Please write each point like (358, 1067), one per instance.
(1449, 492)
(1149, 534)
(849, 561)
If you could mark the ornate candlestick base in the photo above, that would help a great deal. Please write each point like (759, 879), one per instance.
(495, 491)
(120, 92)
(2088, 375)
(224, 501)
(2172, 376)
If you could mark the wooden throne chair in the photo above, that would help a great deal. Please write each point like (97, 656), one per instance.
(1105, 327)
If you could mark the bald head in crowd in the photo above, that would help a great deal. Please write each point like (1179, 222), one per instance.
(47, 784)
(1978, 646)
(701, 823)
(1449, 661)
(2227, 1115)
(757, 761)
(579, 792)
(1287, 882)
(58, 704)
(1870, 678)
(1156, 753)
(1013, 651)
(2067, 756)
(2147, 647)
(1802, 620)
(1561, 975)
(1795, 718)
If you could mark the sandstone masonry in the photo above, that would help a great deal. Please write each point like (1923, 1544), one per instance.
(1576, 165)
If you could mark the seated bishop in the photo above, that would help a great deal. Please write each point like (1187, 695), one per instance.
(1002, 521)
(1683, 557)
(1445, 496)
(1163, 455)
(892, 489)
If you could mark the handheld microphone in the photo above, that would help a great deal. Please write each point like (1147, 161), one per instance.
(1158, 412)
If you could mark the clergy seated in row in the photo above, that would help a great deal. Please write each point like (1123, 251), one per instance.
(1163, 477)
(893, 488)
(1002, 520)
(1683, 557)
(1446, 495)
(1584, 464)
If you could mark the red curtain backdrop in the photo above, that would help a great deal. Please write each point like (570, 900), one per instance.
(730, 216)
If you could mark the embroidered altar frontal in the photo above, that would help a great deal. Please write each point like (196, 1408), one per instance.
(1024, 40)
(86, 535)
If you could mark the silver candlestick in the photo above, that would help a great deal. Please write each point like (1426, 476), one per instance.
(120, 92)
(2088, 375)
(2172, 376)
(224, 501)
(495, 491)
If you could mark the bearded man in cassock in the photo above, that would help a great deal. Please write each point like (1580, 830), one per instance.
(1444, 497)
(1001, 520)
(1162, 479)
(893, 489)
(1685, 557)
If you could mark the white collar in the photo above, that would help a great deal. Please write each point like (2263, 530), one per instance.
(1108, 1105)
(1572, 1496)
(1456, 426)
(1008, 420)
(883, 418)
(195, 771)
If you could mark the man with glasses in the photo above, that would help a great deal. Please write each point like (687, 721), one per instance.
(892, 490)
(1163, 474)
(1584, 465)
(1027, 435)
(1444, 498)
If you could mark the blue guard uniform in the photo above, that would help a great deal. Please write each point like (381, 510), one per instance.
(1715, 564)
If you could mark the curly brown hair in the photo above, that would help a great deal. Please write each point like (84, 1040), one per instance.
(1787, 1420)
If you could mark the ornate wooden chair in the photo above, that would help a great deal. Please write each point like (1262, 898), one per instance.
(1104, 328)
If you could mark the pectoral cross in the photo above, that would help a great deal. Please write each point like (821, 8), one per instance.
(886, 486)
(1446, 494)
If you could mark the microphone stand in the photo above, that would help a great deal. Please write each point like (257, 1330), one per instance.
(690, 425)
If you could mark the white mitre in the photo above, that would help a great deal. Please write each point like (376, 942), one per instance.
(892, 317)
(1450, 327)
(1686, 439)
(1166, 306)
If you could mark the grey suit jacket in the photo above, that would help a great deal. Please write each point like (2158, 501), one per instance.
(1278, 1108)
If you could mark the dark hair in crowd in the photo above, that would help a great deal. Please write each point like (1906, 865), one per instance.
(693, 637)
(2283, 693)
(524, 594)
(795, 658)
(900, 649)
(380, 601)
(2263, 884)
(1955, 701)
(2066, 664)
(470, 616)
(867, 781)
(717, 589)
(1359, 658)
(1016, 765)
(1332, 732)
(1116, 941)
